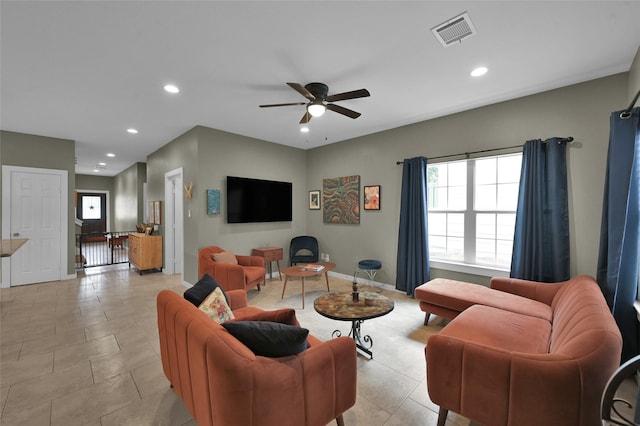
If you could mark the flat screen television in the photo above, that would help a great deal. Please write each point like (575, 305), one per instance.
(256, 200)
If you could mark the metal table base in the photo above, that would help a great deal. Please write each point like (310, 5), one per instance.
(363, 343)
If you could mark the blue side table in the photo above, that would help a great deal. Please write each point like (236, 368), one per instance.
(370, 266)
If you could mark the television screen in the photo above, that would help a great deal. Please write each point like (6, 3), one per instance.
(256, 200)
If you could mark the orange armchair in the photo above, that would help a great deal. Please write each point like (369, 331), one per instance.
(248, 273)
(222, 382)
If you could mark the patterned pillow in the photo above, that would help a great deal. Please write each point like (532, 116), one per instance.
(215, 305)
(225, 257)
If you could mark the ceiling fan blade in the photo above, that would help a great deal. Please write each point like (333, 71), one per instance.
(279, 105)
(344, 111)
(305, 118)
(362, 93)
(302, 90)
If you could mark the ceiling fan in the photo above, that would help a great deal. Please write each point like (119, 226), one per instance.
(318, 96)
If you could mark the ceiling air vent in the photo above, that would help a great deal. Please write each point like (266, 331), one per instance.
(454, 30)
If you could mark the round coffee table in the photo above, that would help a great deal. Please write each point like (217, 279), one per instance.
(300, 271)
(341, 307)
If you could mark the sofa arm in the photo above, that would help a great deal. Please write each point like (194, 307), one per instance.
(493, 386)
(330, 378)
(237, 299)
(314, 387)
(541, 292)
(282, 316)
(250, 260)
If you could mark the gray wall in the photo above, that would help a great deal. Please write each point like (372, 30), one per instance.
(581, 111)
(19, 149)
(207, 157)
(128, 198)
(181, 152)
(224, 154)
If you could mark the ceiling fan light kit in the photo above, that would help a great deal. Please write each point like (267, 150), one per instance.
(316, 109)
(317, 94)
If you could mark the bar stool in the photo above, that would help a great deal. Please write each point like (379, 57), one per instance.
(370, 266)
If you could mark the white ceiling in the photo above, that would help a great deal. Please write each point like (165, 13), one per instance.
(87, 71)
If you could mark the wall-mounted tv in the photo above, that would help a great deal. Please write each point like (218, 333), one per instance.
(256, 200)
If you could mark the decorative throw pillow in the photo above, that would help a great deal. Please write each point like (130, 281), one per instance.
(200, 290)
(225, 257)
(271, 339)
(216, 306)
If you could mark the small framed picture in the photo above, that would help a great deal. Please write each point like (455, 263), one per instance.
(152, 213)
(372, 197)
(213, 201)
(314, 200)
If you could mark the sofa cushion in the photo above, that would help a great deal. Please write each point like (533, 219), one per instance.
(253, 273)
(457, 296)
(269, 339)
(200, 290)
(216, 307)
(225, 257)
(499, 329)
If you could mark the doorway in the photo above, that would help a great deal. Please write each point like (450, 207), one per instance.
(174, 223)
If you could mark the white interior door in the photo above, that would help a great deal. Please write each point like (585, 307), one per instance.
(173, 226)
(36, 202)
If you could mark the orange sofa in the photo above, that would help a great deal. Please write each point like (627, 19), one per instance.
(223, 383)
(544, 361)
(248, 273)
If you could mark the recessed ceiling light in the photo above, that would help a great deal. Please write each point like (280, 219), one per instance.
(96, 170)
(111, 155)
(304, 129)
(477, 72)
(102, 164)
(132, 131)
(171, 88)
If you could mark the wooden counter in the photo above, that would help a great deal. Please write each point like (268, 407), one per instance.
(11, 246)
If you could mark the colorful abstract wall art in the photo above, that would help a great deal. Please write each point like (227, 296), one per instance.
(341, 200)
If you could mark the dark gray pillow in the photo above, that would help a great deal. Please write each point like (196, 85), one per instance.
(271, 339)
(202, 289)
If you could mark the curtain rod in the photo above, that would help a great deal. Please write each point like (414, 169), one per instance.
(467, 154)
(627, 112)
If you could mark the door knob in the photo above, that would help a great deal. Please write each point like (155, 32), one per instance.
(16, 234)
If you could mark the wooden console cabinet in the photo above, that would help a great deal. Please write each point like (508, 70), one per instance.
(270, 254)
(145, 251)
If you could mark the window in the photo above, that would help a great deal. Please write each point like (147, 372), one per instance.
(91, 208)
(472, 209)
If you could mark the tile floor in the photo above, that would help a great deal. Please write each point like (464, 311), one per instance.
(85, 352)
